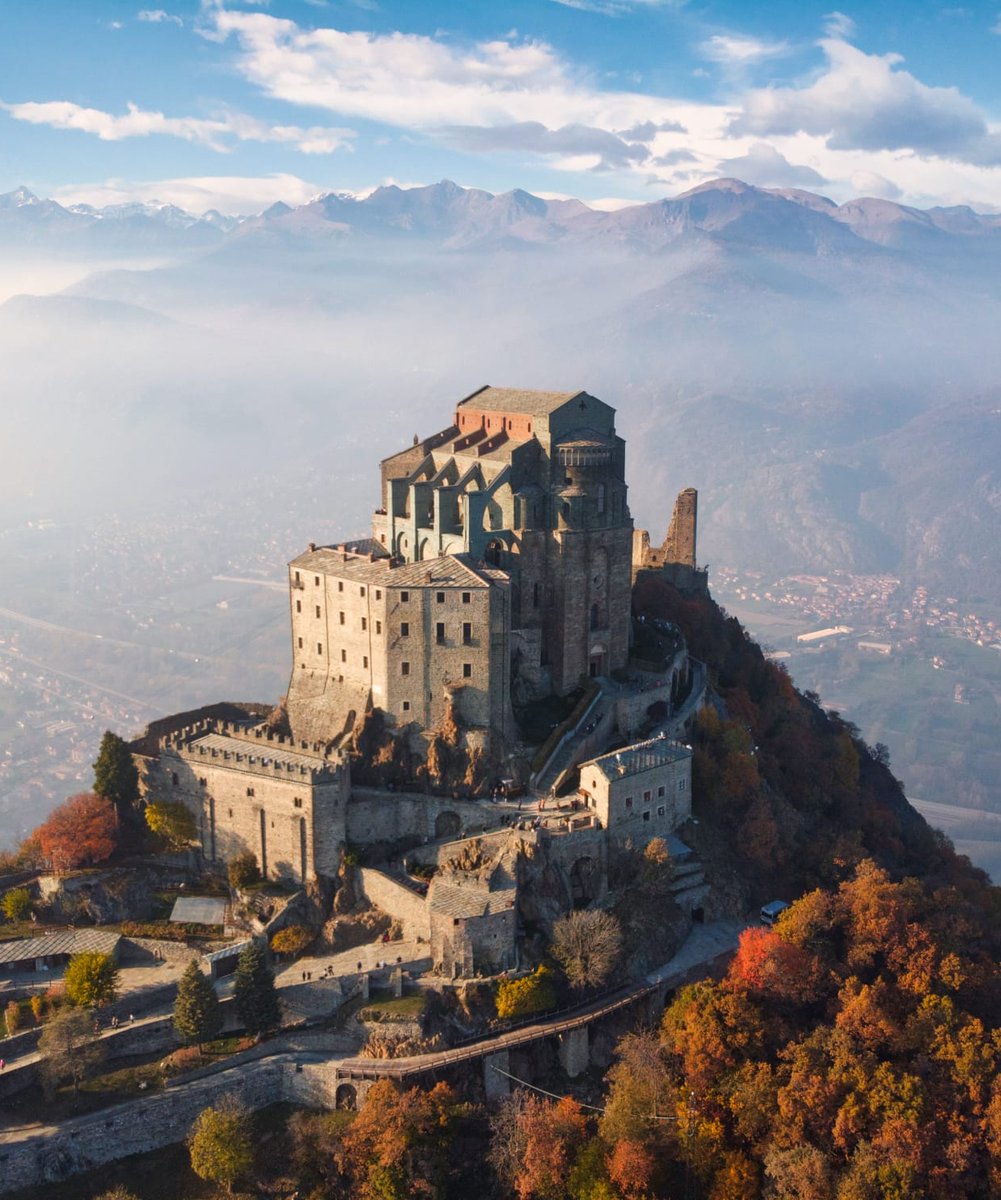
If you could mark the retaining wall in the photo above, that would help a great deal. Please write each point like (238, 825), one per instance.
(398, 901)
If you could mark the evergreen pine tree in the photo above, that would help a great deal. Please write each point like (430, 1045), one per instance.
(254, 991)
(115, 775)
(197, 1015)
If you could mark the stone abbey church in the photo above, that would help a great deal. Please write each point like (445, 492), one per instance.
(500, 561)
(499, 570)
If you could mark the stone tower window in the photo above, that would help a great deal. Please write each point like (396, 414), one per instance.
(340, 585)
(300, 643)
(467, 670)
(340, 614)
(465, 597)
(297, 801)
(319, 647)
(406, 706)
(404, 668)
(318, 610)
(316, 580)
(439, 633)
(364, 623)
(298, 606)
(344, 656)
(364, 661)
(601, 497)
(378, 627)
(250, 792)
(467, 633)
(404, 597)
(404, 629)
(440, 597)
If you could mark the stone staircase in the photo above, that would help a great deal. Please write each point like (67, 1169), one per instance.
(688, 883)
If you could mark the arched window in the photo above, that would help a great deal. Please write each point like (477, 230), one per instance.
(493, 553)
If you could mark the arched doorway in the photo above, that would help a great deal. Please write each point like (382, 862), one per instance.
(597, 663)
(346, 1097)
(494, 552)
(585, 881)
(447, 825)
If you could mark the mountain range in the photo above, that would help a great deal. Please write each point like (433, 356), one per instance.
(826, 374)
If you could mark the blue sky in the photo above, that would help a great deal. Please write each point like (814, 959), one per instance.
(235, 105)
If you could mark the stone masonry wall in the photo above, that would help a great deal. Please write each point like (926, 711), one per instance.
(161, 1120)
(398, 901)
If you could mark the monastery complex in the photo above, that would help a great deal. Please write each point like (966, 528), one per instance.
(498, 577)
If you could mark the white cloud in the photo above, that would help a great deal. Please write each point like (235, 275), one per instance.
(740, 51)
(234, 195)
(216, 133)
(764, 166)
(418, 82)
(839, 25)
(866, 102)
(157, 16)
(868, 183)
(617, 8)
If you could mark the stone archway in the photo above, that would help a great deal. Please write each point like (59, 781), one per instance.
(447, 825)
(597, 660)
(585, 881)
(346, 1097)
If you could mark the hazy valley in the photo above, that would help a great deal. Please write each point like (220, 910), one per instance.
(207, 396)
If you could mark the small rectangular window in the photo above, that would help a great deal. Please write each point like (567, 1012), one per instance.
(173, 778)
(319, 647)
(660, 792)
(404, 668)
(340, 585)
(364, 661)
(231, 813)
(406, 706)
(440, 597)
(298, 606)
(404, 597)
(297, 801)
(439, 633)
(250, 792)
(646, 797)
(404, 629)
(316, 580)
(364, 624)
(203, 781)
(362, 590)
(378, 593)
(378, 627)
(341, 615)
(297, 579)
(467, 633)
(318, 610)
(629, 802)
(467, 670)
(300, 643)
(466, 597)
(660, 811)
(344, 656)
(646, 815)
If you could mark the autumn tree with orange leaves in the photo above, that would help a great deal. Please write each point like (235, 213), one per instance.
(79, 833)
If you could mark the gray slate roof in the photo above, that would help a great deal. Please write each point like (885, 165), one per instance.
(643, 756)
(450, 570)
(64, 941)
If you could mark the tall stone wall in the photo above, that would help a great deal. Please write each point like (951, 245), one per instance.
(398, 901)
(679, 546)
(163, 1119)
